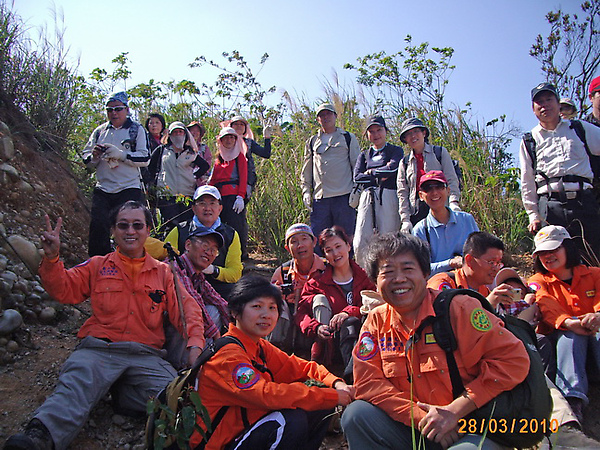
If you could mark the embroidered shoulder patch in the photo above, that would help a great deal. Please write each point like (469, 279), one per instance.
(480, 320)
(244, 376)
(534, 286)
(444, 285)
(366, 347)
(591, 293)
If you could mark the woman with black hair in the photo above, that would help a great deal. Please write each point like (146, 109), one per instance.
(568, 294)
(262, 390)
(329, 310)
(156, 125)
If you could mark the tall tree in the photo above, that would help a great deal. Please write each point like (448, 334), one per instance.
(570, 54)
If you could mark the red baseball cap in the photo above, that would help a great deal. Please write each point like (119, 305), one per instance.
(433, 175)
(595, 85)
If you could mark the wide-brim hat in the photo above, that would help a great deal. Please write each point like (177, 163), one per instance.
(411, 123)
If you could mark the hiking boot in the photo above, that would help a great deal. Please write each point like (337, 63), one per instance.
(35, 437)
(576, 405)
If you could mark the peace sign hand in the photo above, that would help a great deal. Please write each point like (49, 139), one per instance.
(51, 238)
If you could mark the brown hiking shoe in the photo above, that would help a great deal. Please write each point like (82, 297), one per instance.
(35, 437)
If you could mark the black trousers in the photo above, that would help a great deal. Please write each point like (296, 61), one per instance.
(102, 204)
(582, 212)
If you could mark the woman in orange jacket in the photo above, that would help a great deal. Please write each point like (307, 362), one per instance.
(259, 391)
(568, 294)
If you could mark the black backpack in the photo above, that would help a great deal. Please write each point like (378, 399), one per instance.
(517, 418)
(437, 151)
(179, 401)
(577, 126)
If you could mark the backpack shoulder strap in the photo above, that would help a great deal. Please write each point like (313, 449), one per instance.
(98, 131)
(577, 126)
(286, 272)
(530, 147)
(348, 138)
(437, 150)
(211, 349)
(444, 334)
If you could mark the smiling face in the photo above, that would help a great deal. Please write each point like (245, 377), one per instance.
(376, 135)
(402, 284)
(555, 261)
(435, 194)
(202, 251)
(546, 108)
(129, 239)
(117, 117)
(337, 252)
(258, 318)
(301, 246)
(207, 209)
(415, 138)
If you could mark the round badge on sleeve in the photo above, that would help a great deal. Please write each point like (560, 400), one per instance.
(367, 347)
(480, 320)
(245, 376)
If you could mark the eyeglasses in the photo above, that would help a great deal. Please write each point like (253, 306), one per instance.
(206, 246)
(204, 204)
(110, 109)
(427, 187)
(135, 225)
(492, 264)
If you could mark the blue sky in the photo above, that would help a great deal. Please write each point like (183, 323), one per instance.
(308, 40)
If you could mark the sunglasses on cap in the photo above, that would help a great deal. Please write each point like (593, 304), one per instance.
(110, 109)
(135, 225)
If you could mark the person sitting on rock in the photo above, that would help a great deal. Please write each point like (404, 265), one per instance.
(121, 343)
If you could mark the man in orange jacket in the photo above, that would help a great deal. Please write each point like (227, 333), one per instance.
(402, 383)
(121, 343)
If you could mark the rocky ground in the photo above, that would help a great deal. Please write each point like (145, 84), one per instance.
(34, 183)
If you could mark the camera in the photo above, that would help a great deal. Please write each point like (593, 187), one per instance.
(287, 288)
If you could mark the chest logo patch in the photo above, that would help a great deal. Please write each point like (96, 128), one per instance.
(591, 293)
(430, 338)
(480, 320)
(244, 376)
(109, 271)
(366, 348)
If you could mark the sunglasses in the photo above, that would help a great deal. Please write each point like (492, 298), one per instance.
(110, 109)
(135, 225)
(427, 187)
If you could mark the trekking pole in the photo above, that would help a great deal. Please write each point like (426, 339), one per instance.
(173, 257)
(294, 326)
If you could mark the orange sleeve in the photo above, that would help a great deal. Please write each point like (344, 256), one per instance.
(553, 313)
(66, 286)
(441, 281)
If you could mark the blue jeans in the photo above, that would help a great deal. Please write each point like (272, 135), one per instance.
(571, 357)
(368, 427)
(327, 212)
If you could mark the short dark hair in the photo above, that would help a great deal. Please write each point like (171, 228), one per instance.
(159, 117)
(479, 242)
(130, 204)
(383, 246)
(251, 287)
(334, 231)
(573, 257)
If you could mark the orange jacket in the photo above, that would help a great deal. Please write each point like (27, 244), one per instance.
(559, 301)
(442, 280)
(230, 379)
(122, 309)
(490, 359)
